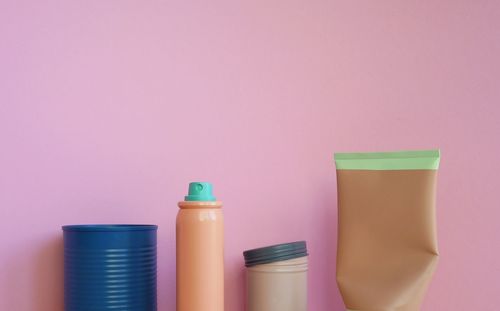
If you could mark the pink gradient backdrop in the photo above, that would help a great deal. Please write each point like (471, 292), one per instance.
(109, 108)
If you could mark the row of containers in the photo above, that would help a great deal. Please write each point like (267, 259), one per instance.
(114, 267)
(387, 247)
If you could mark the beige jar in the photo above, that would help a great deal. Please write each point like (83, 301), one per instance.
(276, 278)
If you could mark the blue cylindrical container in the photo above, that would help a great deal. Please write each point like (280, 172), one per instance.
(110, 267)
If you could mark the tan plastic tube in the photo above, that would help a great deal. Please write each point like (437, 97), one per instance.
(387, 247)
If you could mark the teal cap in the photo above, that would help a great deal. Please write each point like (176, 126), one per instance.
(200, 191)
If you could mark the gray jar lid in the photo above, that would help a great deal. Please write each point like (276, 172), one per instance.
(275, 253)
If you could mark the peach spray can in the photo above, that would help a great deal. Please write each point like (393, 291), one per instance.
(200, 251)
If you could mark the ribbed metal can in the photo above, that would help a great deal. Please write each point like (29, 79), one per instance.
(110, 267)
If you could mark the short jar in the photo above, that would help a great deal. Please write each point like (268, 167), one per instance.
(276, 277)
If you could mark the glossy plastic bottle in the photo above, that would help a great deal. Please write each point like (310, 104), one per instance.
(200, 251)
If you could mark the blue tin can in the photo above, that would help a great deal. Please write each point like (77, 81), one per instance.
(110, 267)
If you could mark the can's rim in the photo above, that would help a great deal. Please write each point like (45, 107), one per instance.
(109, 227)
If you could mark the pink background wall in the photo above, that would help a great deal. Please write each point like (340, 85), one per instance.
(109, 108)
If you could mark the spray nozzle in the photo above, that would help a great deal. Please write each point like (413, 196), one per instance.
(200, 191)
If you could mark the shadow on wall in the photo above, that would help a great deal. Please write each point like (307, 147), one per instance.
(331, 218)
(48, 282)
(235, 283)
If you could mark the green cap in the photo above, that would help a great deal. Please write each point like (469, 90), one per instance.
(200, 191)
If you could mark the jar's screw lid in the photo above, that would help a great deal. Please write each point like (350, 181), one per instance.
(275, 253)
